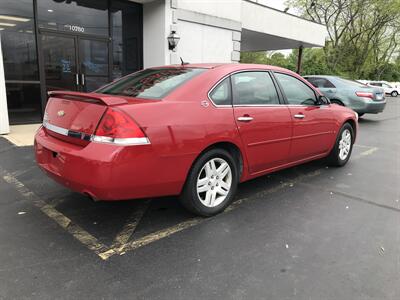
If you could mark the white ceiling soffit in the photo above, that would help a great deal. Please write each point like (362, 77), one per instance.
(265, 28)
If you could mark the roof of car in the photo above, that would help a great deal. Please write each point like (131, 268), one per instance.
(231, 66)
(322, 76)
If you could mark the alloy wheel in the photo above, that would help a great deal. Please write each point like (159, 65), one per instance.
(214, 182)
(345, 144)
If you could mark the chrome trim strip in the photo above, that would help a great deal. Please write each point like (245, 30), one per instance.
(259, 105)
(55, 128)
(96, 138)
(119, 141)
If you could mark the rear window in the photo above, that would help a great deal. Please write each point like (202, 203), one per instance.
(150, 83)
(353, 83)
(320, 82)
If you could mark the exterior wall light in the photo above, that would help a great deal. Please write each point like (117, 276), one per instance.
(173, 40)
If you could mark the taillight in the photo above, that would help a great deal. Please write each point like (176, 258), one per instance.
(365, 95)
(116, 127)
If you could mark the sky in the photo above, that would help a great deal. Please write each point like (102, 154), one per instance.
(279, 4)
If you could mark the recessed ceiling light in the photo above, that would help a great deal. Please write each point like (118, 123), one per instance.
(7, 24)
(12, 18)
(50, 10)
(1, 28)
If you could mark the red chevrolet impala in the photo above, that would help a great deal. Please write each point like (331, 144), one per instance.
(190, 130)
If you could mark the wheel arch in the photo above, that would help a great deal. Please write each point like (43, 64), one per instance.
(229, 146)
(353, 125)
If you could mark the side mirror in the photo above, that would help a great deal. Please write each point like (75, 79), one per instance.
(322, 100)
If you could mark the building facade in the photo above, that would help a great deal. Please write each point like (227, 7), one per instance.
(80, 45)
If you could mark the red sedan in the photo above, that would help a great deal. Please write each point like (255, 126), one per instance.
(192, 130)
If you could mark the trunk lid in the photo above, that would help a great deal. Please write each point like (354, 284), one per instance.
(379, 94)
(73, 116)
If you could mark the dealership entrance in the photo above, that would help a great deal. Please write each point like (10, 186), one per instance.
(76, 45)
(75, 63)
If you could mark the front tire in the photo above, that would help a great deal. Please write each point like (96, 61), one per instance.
(341, 152)
(394, 94)
(211, 183)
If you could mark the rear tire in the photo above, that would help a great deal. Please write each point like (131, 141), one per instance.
(341, 152)
(211, 184)
(394, 94)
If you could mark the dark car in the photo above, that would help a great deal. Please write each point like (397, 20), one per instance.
(359, 97)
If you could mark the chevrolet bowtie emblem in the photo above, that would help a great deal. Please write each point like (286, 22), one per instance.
(61, 113)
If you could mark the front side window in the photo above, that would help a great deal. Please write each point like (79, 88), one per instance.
(221, 95)
(254, 88)
(297, 92)
(150, 83)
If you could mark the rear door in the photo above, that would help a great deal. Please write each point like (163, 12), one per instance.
(264, 124)
(313, 124)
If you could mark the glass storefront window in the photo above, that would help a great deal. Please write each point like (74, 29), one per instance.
(75, 39)
(127, 37)
(20, 61)
(74, 16)
(18, 40)
(23, 100)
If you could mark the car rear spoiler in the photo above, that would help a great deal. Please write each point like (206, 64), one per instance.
(88, 97)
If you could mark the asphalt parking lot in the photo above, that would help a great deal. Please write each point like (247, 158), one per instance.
(309, 232)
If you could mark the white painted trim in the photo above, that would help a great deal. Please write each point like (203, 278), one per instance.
(4, 122)
(204, 19)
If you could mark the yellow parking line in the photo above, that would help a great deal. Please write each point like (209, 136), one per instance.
(76, 231)
(129, 228)
(153, 237)
(150, 238)
(121, 242)
(368, 152)
(363, 146)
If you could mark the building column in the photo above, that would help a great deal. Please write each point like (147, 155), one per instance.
(299, 60)
(4, 124)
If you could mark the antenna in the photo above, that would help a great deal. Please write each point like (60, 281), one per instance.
(182, 62)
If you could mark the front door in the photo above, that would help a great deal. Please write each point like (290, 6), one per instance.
(264, 124)
(74, 63)
(313, 124)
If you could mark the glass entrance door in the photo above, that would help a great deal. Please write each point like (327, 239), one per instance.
(74, 63)
(93, 63)
(60, 62)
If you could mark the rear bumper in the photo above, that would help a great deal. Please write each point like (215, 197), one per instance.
(370, 107)
(106, 172)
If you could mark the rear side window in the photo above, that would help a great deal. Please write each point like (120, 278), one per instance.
(254, 88)
(150, 83)
(320, 82)
(376, 84)
(296, 91)
(221, 94)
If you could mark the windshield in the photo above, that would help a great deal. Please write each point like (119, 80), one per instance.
(150, 83)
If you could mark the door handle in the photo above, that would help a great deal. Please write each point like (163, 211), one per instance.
(299, 116)
(77, 79)
(245, 119)
(83, 79)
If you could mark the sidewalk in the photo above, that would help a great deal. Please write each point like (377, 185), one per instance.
(22, 135)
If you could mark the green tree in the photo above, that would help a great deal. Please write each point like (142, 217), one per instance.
(363, 38)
